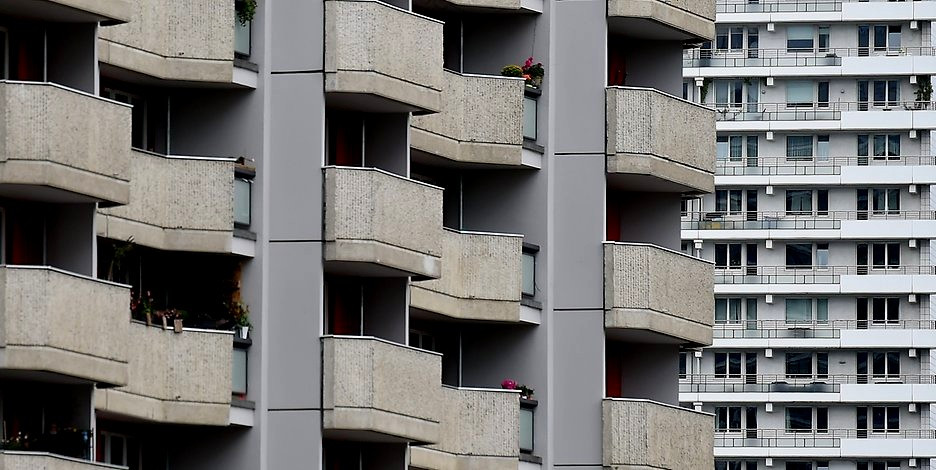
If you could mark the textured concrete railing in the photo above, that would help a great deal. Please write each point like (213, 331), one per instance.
(15, 460)
(66, 139)
(651, 132)
(179, 378)
(375, 217)
(481, 275)
(374, 386)
(694, 18)
(63, 323)
(651, 288)
(647, 434)
(174, 39)
(377, 49)
(481, 121)
(479, 429)
(179, 204)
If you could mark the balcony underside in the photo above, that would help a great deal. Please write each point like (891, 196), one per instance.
(69, 11)
(432, 459)
(136, 65)
(161, 238)
(371, 258)
(649, 326)
(476, 154)
(659, 20)
(651, 173)
(464, 309)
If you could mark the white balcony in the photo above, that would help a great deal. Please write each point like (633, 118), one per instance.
(829, 389)
(833, 443)
(834, 225)
(826, 280)
(834, 334)
(830, 171)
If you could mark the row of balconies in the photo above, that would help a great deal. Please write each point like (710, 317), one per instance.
(73, 326)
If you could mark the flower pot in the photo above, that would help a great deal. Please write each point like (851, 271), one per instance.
(165, 321)
(149, 319)
(177, 325)
(243, 331)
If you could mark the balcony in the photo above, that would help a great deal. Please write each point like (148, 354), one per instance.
(826, 279)
(839, 333)
(781, 383)
(381, 58)
(87, 159)
(837, 60)
(179, 204)
(908, 169)
(375, 390)
(64, 324)
(780, 225)
(480, 278)
(177, 40)
(837, 443)
(647, 434)
(176, 378)
(70, 11)
(20, 460)
(657, 142)
(479, 429)
(378, 223)
(639, 283)
(481, 121)
(833, 115)
(687, 20)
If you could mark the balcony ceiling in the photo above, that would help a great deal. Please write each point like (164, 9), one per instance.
(55, 11)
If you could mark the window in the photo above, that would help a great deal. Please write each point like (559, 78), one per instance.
(893, 37)
(885, 200)
(727, 255)
(799, 201)
(822, 148)
(727, 418)
(798, 466)
(823, 39)
(883, 309)
(422, 340)
(800, 93)
(799, 364)
(798, 418)
(729, 147)
(799, 147)
(727, 310)
(729, 38)
(683, 364)
(822, 254)
(728, 365)
(728, 200)
(822, 420)
(822, 94)
(528, 284)
(885, 418)
(807, 311)
(735, 465)
(799, 38)
(242, 200)
(885, 255)
(883, 145)
(888, 465)
(729, 93)
(884, 92)
(799, 255)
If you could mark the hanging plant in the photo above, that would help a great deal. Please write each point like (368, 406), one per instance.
(246, 9)
(703, 92)
(924, 91)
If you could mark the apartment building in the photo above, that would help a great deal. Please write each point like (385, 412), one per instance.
(331, 235)
(820, 228)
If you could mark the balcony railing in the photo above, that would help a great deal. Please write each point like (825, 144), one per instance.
(793, 57)
(811, 329)
(813, 165)
(793, 220)
(786, 6)
(810, 111)
(810, 438)
(810, 274)
(763, 383)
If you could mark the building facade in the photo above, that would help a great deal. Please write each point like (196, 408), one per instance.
(820, 230)
(331, 235)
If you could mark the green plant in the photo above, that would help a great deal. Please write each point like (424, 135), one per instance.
(924, 91)
(116, 262)
(512, 71)
(246, 9)
(240, 313)
(525, 392)
(141, 305)
(703, 91)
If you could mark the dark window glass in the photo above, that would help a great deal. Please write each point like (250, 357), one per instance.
(799, 418)
(798, 363)
(799, 200)
(799, 254)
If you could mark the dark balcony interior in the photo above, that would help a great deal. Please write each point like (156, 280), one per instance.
(32, 51)
(629, 215)
(648, 378)
(46, 417)
(362, 306)
(372, 140)
(638, 62)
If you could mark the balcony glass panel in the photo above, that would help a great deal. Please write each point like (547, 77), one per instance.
(242, 196)
(526, 429)
(529, 117)
(239, 372)
(529, 268)
(242, 38)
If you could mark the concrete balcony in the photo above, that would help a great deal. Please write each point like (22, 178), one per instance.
(178, 204)
(382, 58)
(480, 278)
(70, 11)
(177, 40)
(647, 434)
(19, 460)
(479, 429)
(63, 145)
(378, 223)
(687, 20)
(64, 324)
(641, 282)
(375, 390)
(657, 142)
(481, 121)
(176, 378)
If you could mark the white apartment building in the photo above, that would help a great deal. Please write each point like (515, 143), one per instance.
(820, 230)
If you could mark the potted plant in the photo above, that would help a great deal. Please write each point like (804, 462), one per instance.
(176, 316)
(141, 307)
(531, 73)
(924, 92)
(245, 9)
(525, 392)
(240, 315)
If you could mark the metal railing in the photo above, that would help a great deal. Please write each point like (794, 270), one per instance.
(811, 437)
(787, 6)
(791, 220)
(760, 329)
(829, 56)
(809, 274)
(763, 383)
(809, 111)
(814, 165)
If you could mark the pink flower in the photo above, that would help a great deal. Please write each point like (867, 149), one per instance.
(528, 62)
(509, 384)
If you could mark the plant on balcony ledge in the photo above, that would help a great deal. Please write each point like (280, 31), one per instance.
(525, 392)
(532, 73)
(245, 9)
(240, 315)
(141, 308)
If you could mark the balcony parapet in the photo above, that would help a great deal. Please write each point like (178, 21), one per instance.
(647, 434)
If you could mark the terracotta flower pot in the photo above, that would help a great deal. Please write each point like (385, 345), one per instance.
(177, 325)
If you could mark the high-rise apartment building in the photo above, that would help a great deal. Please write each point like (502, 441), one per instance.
(820, 229)
(404, 230)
